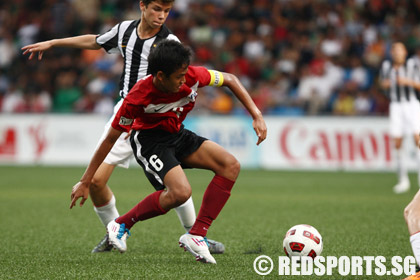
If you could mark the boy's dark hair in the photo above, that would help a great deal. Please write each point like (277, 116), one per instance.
(147, 2)
(168, 56)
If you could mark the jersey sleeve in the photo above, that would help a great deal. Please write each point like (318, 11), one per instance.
(204, 77)
(109, 40)
(125, 117)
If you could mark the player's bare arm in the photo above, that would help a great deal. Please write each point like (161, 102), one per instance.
(81, 189)
(408, 82)
(233, 83)
(80, 42)
(402, 81)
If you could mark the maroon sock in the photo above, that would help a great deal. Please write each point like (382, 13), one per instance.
(215, 197)
(146, 209)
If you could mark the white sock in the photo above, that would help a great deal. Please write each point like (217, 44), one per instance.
(108, 212)
(401, 166)
(415, 244)
(186, 214)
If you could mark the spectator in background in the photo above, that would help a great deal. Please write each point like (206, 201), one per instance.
(13, 100)
(319, 81)
(343, 104)
(100, 92)
(250, 37)
(7, 50)
(357, 73)
(68, 93)
(363, 104)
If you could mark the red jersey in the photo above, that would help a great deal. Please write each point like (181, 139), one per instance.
(146, 107)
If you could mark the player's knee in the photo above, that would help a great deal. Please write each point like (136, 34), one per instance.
(181, 195)
(409, 215)
(406, 213)
(96, 184)
(232, 167)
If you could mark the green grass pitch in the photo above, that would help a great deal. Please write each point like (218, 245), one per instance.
(356, 213)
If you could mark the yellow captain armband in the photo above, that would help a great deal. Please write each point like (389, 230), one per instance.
(216, 78)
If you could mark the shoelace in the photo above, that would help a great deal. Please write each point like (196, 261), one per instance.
(121, 231)
(128, 232)
(205, 240)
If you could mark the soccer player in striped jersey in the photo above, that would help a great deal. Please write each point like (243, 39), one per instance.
(133, 39)
(400, 79)
(155, 109)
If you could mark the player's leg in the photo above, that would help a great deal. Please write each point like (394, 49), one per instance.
(177, 191)
(412, 218)
(226, 168)
(186, 214)
(213, 157)
(104, 202)
(154, 153)
(403, 184)
(396, 114)
(102, 197)
(416, 144)
(413, 117)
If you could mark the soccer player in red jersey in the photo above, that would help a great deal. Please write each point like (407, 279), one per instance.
(155, 110)
(133, 39)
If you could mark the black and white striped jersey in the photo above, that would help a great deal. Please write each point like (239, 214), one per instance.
(409, 70)
(124, 38)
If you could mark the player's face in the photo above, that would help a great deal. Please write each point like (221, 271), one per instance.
(155, 13)
(398, 53)
(174, 82)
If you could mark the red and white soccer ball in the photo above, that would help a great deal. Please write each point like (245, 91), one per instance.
(302, 240)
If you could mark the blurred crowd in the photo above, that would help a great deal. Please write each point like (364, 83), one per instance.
(306, 57)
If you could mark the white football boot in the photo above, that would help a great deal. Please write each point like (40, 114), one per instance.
(197, 246)
(117, 235)
(402, 187)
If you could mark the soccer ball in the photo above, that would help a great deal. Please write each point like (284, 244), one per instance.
(302, 240)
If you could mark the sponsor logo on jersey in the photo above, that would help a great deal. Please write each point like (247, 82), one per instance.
(160, 108)
(125, 121)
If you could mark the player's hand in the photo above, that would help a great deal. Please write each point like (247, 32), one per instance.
(260, 129)
(37, 48)
(80, 190)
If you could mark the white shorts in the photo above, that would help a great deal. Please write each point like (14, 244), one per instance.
(404, 118)
(121, 153)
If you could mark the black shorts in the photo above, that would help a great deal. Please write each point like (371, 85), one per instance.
(158, 151)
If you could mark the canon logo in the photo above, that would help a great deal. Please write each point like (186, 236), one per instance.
(336, 145)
